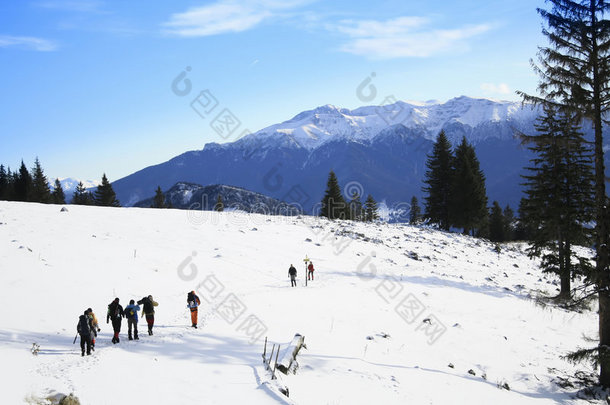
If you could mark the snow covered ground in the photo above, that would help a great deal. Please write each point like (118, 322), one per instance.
(391, 308)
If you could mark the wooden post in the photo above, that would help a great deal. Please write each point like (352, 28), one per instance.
(275, 365)
(265, 350)
(306, 275)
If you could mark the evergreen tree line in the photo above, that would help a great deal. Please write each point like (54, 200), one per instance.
(334, 206)
(33, 186)
(455, 188)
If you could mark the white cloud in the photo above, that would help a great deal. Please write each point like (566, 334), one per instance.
(403, 37)
(32, 43)
(500, 88)
(225, 16)
(371, 28)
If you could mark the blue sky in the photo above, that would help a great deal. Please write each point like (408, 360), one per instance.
(87, 85)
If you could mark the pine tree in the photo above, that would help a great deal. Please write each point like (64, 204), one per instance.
(574, 74)
(4, 180)
(80, 195)
(104, 195)
(10, 187)
(415, 213)
(496, 224)
(371, 211)
(23, 184)
(439, 178)
(559, 196)
(509, 220)
(58, 196)
(355, 207)
(220, 206)
(40, 185)
(468, 197)
(333, 204)
(159, 200)
(523, 230)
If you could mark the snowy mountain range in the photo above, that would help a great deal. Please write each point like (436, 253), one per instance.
(69, 184)
(195, 196)
(378, 150)
(311, 129)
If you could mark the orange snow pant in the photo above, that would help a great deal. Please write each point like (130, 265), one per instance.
(194, 316)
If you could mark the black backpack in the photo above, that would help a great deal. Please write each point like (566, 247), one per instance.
(84, 326)
(190, 299)
(148, 306)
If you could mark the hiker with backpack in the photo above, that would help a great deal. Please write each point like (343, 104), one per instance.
(310, 271)
(292, 273)
(95, 327)
(116, 314)
(84, 330)
(131, 313)
(193, 302)
(149, 311)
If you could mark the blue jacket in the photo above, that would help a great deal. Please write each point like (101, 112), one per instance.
(134, 308)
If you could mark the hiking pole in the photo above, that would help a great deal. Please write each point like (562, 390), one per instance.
(75, 338)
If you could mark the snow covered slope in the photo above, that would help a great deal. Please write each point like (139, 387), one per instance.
(392, 306)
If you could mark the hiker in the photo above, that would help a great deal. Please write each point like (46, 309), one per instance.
(84, 330)
(310, 271)
(116, 314)
(292, 272)
(131, 313)
(193, 302)
(95, 327)
(149, 312)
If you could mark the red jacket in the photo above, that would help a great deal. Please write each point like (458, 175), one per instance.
(310, 267)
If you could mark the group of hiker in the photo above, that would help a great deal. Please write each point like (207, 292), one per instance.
(292, 273)
(88, 326)
(116, 313)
